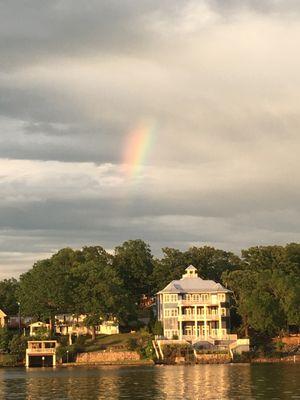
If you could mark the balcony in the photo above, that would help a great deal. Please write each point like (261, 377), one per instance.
(211, 337)
(198, 317)
(41, 347)
(200, 302)
(43, 350)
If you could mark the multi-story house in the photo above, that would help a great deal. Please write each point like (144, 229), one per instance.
(194, 309)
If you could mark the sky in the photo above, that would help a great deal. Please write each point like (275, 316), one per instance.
(172, 121)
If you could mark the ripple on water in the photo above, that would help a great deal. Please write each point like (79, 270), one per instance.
(272, 381)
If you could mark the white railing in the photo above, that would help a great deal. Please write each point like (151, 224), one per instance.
(197, 317)
(199, 302)
(214, 335)
(42, 350)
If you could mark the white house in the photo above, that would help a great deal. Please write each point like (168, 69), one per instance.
(192, 308)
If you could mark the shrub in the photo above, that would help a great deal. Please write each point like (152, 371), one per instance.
(4, 340)
(147, 351)
(18, 345)
(132, 344)
(67, 353)
(279, 346)
(158, 328)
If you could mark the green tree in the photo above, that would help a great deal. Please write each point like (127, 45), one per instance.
(211, 262)
(268, 257)
(4, 339)
(266, 288)
(171, 266)
(98, 290)
(18, 345)
(242, 283)
(133, 262)
(8, 299)
(45, 289)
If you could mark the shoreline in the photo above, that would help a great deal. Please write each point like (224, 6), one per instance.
(151, 363)
(293, 359)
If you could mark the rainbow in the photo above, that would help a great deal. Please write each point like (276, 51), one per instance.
(137, 146)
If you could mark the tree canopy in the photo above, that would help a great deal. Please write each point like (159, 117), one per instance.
(265, 283)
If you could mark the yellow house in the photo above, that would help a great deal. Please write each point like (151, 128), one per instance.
(37, 327)
(3, 317)
(71, 324)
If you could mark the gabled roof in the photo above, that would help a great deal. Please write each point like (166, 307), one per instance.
(189, 285)
(191, 268)
(39, 324)
(2, 313)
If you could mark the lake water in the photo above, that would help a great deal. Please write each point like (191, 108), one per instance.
(231, 381)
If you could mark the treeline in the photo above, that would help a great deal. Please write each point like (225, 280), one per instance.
(265, 282)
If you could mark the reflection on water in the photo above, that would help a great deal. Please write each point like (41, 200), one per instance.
(233, 381)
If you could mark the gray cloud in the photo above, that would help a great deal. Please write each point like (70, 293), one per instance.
(216, 82)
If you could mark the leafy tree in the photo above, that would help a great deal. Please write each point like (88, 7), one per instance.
(266, 288)
(242, 283)
(211, 262)
(18, 345)
(4, 339)
(268, 257)
(158, 328)
(171, 266)
(99, 292)
(45, 289)
(8, 300)
(265, 313)
(133, 262)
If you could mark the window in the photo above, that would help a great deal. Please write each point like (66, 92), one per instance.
(170, 298)
(174, 298)
(204, 297)
(171, 312)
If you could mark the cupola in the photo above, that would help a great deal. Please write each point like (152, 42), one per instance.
(191, 272)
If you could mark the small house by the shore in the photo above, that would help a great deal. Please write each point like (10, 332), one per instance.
(37, 328)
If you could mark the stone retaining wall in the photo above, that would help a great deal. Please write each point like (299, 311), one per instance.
(287, 359)
(213, 358)
(107, 357)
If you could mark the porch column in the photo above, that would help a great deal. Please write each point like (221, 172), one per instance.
(205, 323)
(180, 322)
(54, 360)
(27, 360)
(196, 323)
(220, 322)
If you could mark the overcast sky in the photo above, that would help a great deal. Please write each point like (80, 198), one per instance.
(217, 80)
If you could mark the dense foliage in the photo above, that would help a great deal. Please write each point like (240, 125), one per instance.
(265, 282)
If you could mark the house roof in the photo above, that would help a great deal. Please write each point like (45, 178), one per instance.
(190, 284)
(2, 313)
(38, 324)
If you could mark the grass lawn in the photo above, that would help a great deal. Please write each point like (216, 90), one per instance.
(115, 342)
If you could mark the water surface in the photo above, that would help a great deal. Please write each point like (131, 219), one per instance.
(231, 381)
